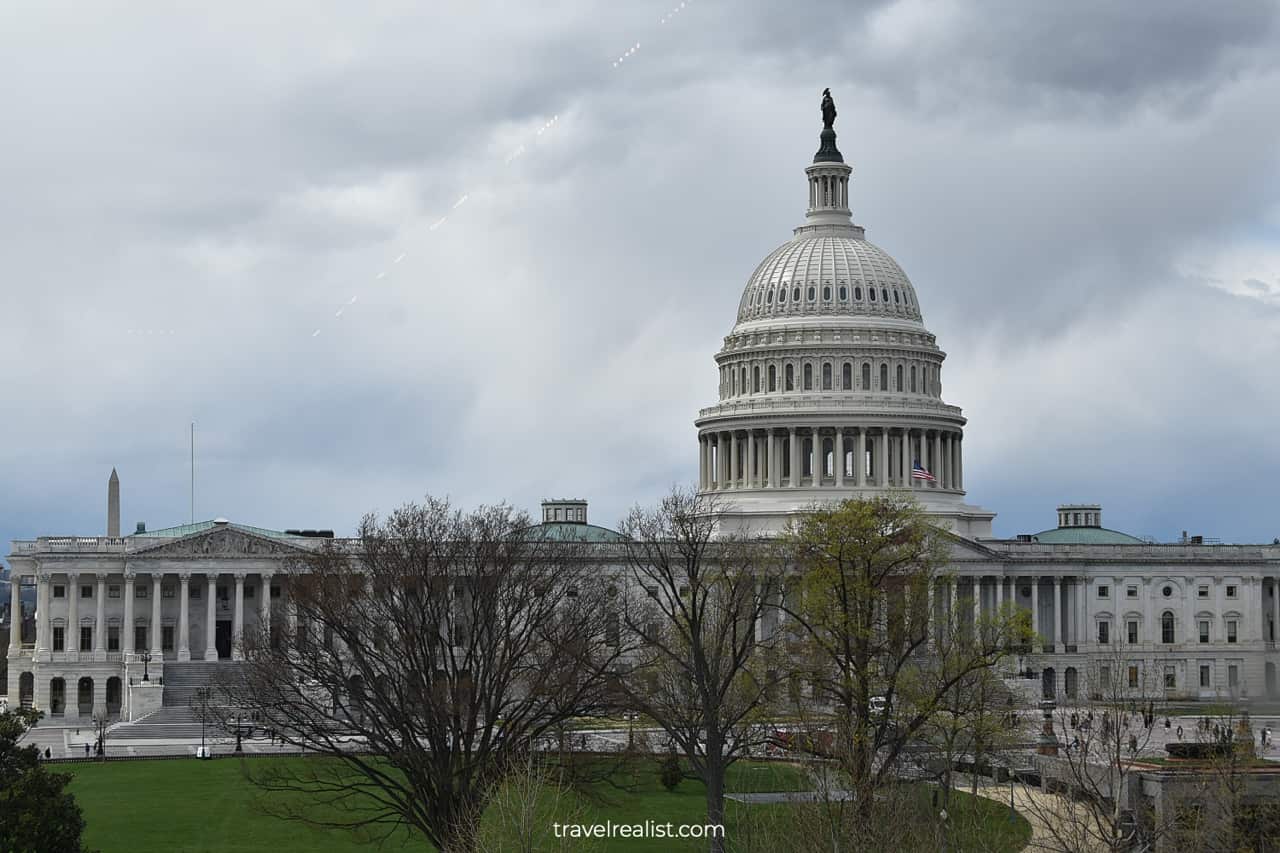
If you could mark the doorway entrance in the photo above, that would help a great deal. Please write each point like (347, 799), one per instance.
(222, 639)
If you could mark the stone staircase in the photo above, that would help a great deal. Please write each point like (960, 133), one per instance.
(177, 719)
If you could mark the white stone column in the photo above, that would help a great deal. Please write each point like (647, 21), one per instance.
(775, 463)
(1000, 593)
(882, 476)
(43, 640)
(264, 609)
(977, 599)
(1035, 612)
(1275, 609)
(935, 456)
(72, 646)
(860, 461)
(211, 618)
(15, 614)
(127, 630)
(733, 459)
(959, 461)
(751, 459)
(953, 611)
(906, 458)
(1088, 638)
(237, 620)
(794, 455)
(838, 452)
(1148, 630)
(291, 610)
(1057, 613)
(184, 622)
(100, 619)
(157, 650)
(931, 615)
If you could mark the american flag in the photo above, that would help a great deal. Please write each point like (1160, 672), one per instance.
(918, 472)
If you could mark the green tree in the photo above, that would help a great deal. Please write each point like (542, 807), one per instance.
(37, 815)
(861, 614)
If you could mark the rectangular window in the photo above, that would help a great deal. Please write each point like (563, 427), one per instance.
(139, 638)
(193, 591)
(1170, 677)
(168, 591)
(1133, 631)
(86, 591)
(1233, 676)
(113, 638)
(139, 591)
(1204, 630)
(166, 638)
(59, 638)
(1104, 676)
(1131, 591)
(113, 591)
(1204, 675)
(1104, 633)
(86, 638)
(1231, 591)
(1104, 591)
(1231, 630)
(1133, 676)
(1202, 591)
(59, 591)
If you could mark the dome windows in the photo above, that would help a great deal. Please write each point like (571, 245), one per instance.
(846, 376)
(773, 377)
(826, 376)
(755, 379)
(782, 296)
(789, 378)
(813, 293)
(901, 386)
(895, 297)
(872, 293)
(884, 377)
(866, 376)
(844, 293)
(884, 294)
(808, 376)
(769, 298)
(795, 294)
(857, 293)
(826, 294)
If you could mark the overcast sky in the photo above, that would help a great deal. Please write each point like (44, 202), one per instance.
(1084, 195)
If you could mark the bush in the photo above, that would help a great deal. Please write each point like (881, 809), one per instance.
(1199, 750)
(669, 773)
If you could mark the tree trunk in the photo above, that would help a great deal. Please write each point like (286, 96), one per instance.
(715, 806)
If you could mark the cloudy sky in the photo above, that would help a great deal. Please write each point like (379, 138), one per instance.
(537, 249)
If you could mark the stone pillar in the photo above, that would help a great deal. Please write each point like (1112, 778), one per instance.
(775, 463)
(1057, 615)
(211, 617)
(936, 456)
(72, 642)
(931, 615)
(127, 629)
(751, 459)
(237, 620)
(977, 599)
(794, 458)
(1087, 638)
(291, 611)
(1035, 612)
(860, 460)
(882, 475)
(953, 612)
(15, 614)
(157, 651)
(1148, 630)
(184, 623)
(960, 462)
(999, 593)
(264, 609)
(733, 459)
(1275, 609)
(906, 458)
(100, 619)
(43, 640)
(838, 450)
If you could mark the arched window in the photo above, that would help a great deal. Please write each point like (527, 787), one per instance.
(782, 295)
(826, 376)
(808, 376)
(795, 294)
(866, 376)
(896, 298)
(884, 377)
(813, 293)
(857, 293)
(755, 379)
(884, 294)
(769, 298)
(871, 291)
(826, 294)
(901, 386)
(790, 378)
(846, 376)
(1166, 627)
(742, 386)
(913, 379)
(773, 377)
(844, 293)
(733, 382)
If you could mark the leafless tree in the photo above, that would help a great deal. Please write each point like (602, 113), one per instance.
(695, 599)
(428, 660)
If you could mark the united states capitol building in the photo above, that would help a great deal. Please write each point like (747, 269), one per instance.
(831, 386)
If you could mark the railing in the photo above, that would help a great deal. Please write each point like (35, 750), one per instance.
(791, 402)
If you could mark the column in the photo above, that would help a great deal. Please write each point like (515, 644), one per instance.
(795, 458)
(839, 456)
(1148, 630)
(881, 476)
(733, 459)
(1086, 636)
(157, 651)
(291, 611)
(977, 599)
(237, 620)
(210, 619)
(1035, 612)
(100, 619)
(15, 614)
(953, 612)
(1000, 593)
(931, 615)
(775, 463)
(43, 642)
(751, 459)
(959, 461)
(816, 462)
(947, 466)
(72, 645)
(264, 609)
(906, 458)
(936, 456)
(1275, 609)
(702, 463)
(860, 460)
(1057, 616)
(127, 629)
(184, 595)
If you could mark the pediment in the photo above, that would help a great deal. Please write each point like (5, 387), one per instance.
(962, 549)
(220, 542)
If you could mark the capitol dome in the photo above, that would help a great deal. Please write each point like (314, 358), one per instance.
(830, 384)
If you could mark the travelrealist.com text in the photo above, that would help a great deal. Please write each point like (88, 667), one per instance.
(648, 829)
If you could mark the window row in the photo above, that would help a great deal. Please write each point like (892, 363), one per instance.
(1168, 632)
(905, 378)
(1168, 591)
(808, 295)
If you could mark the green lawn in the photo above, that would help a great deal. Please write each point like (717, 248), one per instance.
(188, 805)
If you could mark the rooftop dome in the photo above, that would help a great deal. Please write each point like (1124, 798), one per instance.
(837, 274)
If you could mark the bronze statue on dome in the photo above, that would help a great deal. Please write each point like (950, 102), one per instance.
(828, 110)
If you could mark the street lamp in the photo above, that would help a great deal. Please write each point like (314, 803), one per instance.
(239, 748)
(145, 657)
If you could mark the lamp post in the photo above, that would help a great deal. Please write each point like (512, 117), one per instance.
(239, 748)
(145, 657)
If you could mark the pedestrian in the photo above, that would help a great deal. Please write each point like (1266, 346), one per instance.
(1133, 744)
(48, 753)
(1166, 722)
(86, 749)
(1179, 732)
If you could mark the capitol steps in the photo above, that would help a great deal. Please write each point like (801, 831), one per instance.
(177, 717)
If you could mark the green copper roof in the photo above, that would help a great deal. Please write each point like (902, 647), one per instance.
(578, 532)
(199, 526)
(1086, 536)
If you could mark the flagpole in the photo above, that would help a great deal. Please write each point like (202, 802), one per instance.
(193, 472)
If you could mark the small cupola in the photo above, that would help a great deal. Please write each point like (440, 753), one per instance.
(1079, 515)
(571, 510)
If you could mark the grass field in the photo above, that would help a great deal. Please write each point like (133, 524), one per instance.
(196, 806)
